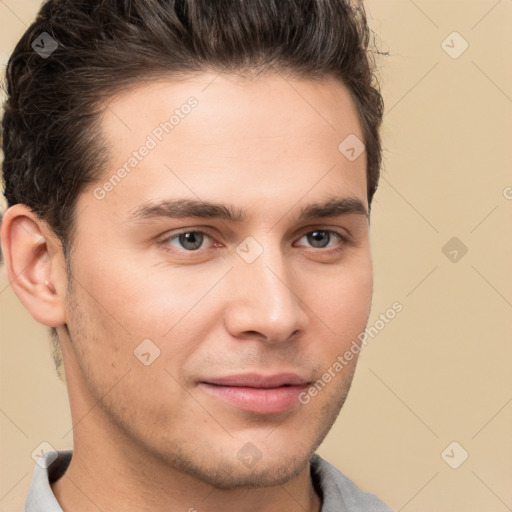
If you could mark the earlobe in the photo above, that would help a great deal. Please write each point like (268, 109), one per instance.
(33, 261)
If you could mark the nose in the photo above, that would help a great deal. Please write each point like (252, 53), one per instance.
(265, 299)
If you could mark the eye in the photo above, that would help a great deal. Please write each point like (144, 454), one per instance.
(187, 240)
(319, 239)
(195, 240)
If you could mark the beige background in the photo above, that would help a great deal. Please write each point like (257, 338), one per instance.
(440, 371)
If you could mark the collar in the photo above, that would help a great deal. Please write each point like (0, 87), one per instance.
(48, 469)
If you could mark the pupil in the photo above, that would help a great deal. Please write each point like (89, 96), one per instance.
(191, 240)
(316, 236)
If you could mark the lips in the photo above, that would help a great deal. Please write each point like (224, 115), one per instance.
(256, 393)
(254, 380)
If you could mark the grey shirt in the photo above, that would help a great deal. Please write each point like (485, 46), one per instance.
(338, 493)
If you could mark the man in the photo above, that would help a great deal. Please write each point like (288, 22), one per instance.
(189, 187)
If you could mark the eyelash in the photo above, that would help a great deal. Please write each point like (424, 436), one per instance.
(344, 239)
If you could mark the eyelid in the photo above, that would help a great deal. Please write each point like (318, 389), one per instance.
(344, 236)
(341, 231)
(168, 237)
(304, 231)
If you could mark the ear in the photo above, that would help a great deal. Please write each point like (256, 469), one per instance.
(35, 264)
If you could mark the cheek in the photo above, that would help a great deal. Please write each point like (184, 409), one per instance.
(344, 299)
(142, 299)
(343, 304)
(123, 365)
(355, 301)
(158, 316)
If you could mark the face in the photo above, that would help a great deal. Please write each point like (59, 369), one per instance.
(222, 274)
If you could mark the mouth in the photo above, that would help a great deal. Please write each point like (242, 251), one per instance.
(259, 394)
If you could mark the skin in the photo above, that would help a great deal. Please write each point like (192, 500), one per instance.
(254, 144)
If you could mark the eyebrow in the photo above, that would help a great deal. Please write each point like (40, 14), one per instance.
(185, 208)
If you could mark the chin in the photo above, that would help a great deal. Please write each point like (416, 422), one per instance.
(231, 473)
(271, 474)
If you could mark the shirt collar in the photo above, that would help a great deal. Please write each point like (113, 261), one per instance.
(50, 466)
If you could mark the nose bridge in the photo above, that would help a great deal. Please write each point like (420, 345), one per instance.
(265, 300)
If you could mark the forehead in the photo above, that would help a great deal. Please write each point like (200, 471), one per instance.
(251, 106)
(215, 135)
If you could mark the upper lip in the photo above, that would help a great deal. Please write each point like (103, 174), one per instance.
(255, 380)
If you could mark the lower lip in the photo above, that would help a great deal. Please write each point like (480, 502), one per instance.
(257, 400)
